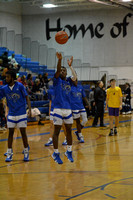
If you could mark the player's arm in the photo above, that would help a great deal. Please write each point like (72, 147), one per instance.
(106, 103)
(59, 56)
(120, 93)
(29, 104)
(120, 103)
(50, 102)
(86, 102)
(74, 75)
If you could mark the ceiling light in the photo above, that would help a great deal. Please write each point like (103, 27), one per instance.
(49, 6)
(126, 0)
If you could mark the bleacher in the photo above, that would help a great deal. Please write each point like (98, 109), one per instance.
(27, 64)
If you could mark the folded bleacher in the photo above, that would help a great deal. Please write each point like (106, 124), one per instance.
(27, 64)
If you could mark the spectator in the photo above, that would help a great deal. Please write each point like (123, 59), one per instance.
(30, 82)
(127, 100)
(37, 89)
(2, 115)
(13, 62)
(1, 66)
(41, 80)
(5, 59)
(46, 80)
(92, 101)
(22, 80)
(99, 97)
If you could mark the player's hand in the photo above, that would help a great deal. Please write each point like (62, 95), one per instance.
(29, 113)
(59, 55)
(106, 108)
(69, 62)
(120, 108)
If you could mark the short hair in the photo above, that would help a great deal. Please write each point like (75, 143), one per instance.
(63, 67)
(127, 84)
(12, 74)
(98, 82)
(112, 80)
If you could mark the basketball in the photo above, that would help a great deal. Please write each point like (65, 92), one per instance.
(61, 37)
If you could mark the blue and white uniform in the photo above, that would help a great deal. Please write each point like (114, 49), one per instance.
(51, 97)
(77, 93)
(16, 102)
(62, 103)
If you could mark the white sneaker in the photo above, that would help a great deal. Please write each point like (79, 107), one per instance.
(129, 112)
(4, 129)
(123, 113)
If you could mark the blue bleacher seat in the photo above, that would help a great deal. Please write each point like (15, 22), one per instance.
(44, 110)
(39, 103)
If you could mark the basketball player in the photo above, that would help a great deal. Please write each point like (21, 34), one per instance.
(16, 97)
(114, 103)
(62, 108)
(51, 97)
(78, 110)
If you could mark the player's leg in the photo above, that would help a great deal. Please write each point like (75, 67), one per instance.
(76, 117)
(25, 143)
(82, 124)
(11, 124)
(68, 153)
(116, 120)
(111, 119)
(56, 154)
(57, 129)
(68, 121)
(22, 124)
(9, 153)
(57, 119)
(50, 140)
(64, 129)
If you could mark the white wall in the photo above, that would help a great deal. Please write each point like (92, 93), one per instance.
(10, 17)
(106, 51)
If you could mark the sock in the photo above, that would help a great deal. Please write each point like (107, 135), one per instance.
(56, 150)
(26, 150)
(80, 135)
(69, 148)
(50, 139)
(9, 151)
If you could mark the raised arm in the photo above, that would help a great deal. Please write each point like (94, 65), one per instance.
(74, 75)
(59, 56)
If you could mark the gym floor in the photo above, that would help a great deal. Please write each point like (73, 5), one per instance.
(102, 168)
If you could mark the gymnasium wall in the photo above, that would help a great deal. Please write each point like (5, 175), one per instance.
(107, 44)
(10, 17)
(11, 26)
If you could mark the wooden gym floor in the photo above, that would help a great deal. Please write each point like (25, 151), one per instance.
(102, 168)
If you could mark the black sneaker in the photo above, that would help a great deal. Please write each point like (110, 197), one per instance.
(103, 125)
(111, 133)
(40, 123)
(115, 131)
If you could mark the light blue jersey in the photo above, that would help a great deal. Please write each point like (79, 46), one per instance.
(77, 93)
(62, 89)
(15, 98)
